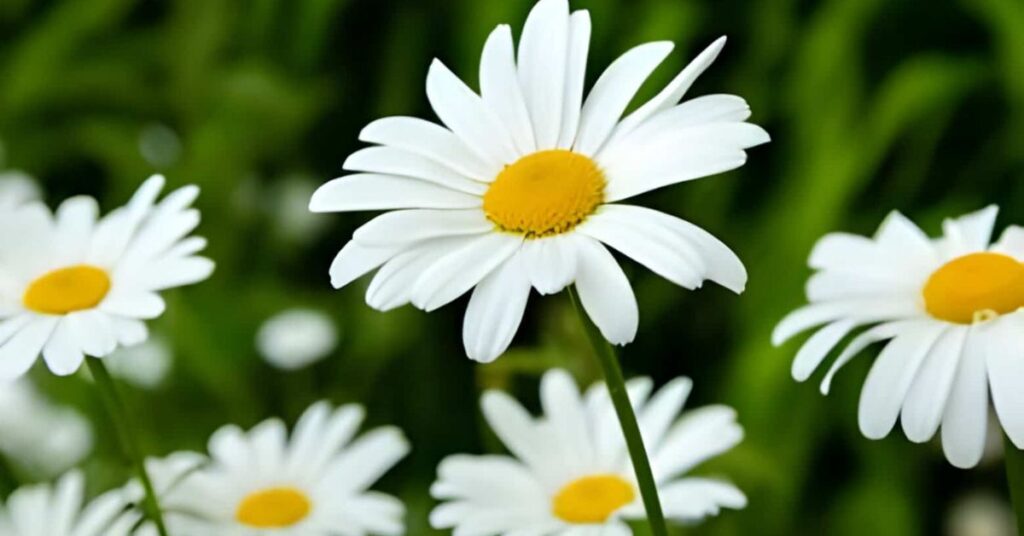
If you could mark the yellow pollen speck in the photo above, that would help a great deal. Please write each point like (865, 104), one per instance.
(273, 508)
(67, 290)
(545, 193)
(592, 499)
(975, 288)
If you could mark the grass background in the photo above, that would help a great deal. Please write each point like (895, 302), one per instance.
(873, 106)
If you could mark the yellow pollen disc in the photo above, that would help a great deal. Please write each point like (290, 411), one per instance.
(592, 499)
(67, 290)
(545, 193)
(975, 287)
(273, 508)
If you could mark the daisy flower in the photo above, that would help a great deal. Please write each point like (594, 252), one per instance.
(296, 338)
(38, 436)
(570, 472)
(73, 284)
(315, 483)
(60, 510)
(949, 311)
(522, 185)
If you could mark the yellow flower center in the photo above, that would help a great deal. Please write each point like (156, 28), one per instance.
(273, 508)
(67, 290)
(592, 499)
(545, 193)
(975, 287)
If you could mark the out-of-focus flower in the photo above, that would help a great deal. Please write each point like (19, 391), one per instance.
(314, 484)
(951, 308)
(37, 435)
(60, 509)
(296, 338)
(16, 189)
(523, 188)
(980, 514)
(75, 285)
(571, 474)
(159, 145)
(144, 365)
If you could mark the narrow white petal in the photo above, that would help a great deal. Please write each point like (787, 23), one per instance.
(1011, 242)
(20, 351)
(369, 191)
(355, 260)
(500, 89)
(969, 233)
(394, 283)
(865, 311)
(814, 351)
(495, 311)
(62, 353)
(576, 71)
(613, 91)
(543, 53)
(392, 161)
(927, 398)
(859, 343)
(466, 115)
(605, 292)
(550, 263)
(1006, 376)
(454, 274)
(432, 141)
(693, 499)
(402, 227)
(965, 420)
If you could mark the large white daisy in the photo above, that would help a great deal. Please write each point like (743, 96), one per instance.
(61, 510)
(571, 473)
(73, 284)
(521, 186)
(950, 311)
(261, 483)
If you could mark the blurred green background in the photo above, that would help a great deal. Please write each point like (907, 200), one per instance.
(872, 105)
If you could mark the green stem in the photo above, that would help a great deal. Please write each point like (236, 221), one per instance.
(124, 427)
(1015, 479)
(627, 418)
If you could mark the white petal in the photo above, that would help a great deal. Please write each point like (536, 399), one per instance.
(432, 141)
(543, 53)
(699, 436)
(20, 351)
(550, 263)
(368, 191)
(864, 311)
(674, 91)
(612, 93)
(576, 71)
(355, 260)
(93, 331)
(859, 343)
(516, 429)
(892, 375)
(495, 311)
(62, 353)
(567, 420)
(693, 499)
(969, 233)
(403, 227)
(1011, 242)
(454, 274)
(605, 292)
(499, 87)
(814, 351)
(966, 417)
(394, 283)
(927, 398)
(76, 218)
(133, 304)
(1006, 376)
(392, 161)
(466, 115)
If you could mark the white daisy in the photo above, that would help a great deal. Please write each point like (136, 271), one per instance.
(571, 473)
(315, 483)
(296, 338)
(73, 285)
(950, 311)
(39, 436)
(60, 510)
(521, 187)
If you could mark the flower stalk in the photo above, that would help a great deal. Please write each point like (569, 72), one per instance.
(616, 383)
(125, 426)
(1015, 480)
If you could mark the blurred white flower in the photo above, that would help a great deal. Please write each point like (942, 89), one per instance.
(296, 338)
(159, 145)
(43, 438)
(60, 509)
(143, 365)
(17, 188)
(980, 514)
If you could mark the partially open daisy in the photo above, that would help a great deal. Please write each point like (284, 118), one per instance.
(521, 187)
(570, 473)
(950, 311)
(61, 510)
(314, 484)
(73, 284)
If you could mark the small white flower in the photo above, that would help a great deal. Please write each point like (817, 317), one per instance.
(144, 365)
(73, 284)
(522, 187)
(296, 338)
(949, 310)
(39, 436)
(261, 483)
(16, 189)
(61, 510)
(571, 472)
